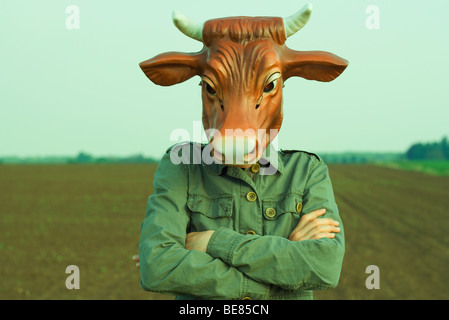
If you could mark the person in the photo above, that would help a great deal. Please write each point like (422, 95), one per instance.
(254, 223)
(256, 236)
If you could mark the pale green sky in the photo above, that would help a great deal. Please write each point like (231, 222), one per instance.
(63, 91)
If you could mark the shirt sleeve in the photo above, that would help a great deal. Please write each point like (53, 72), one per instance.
(165, 265)
(308, 264)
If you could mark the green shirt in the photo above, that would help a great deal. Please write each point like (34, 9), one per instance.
(248, 255)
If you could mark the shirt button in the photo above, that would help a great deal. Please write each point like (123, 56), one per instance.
(246, 298)
(299, 207)
(270, 212)
(250, 232)
(251, 196)
(255, 168)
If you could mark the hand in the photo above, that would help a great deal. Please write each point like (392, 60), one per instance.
(137, 260)
(198, 240)
(312, 227)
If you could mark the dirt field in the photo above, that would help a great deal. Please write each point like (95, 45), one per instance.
(53, 216)
(396, 220)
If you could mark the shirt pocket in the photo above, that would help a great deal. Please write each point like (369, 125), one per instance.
(210, 212)
(281, 215)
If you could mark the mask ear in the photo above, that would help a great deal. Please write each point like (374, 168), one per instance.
(313, 65)
(171, 68)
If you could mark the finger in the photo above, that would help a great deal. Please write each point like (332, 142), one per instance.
(306, 225)
(313, 214)
(324, 235)
(311, 232)
(306, 218)
(320, 229)
(316, 213)
(135, 258)
(324, 221)
(138, 265)
(329, 235)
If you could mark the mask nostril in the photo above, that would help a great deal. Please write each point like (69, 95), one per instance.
(221, 105)
(257, 106)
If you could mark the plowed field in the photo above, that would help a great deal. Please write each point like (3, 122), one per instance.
(52, 216)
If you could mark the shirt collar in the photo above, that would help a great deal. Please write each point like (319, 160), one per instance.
(217, 169)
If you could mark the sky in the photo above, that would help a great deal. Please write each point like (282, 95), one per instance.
(70, 80)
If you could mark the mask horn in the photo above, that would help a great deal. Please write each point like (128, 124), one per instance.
(190, 28)
(295, 22)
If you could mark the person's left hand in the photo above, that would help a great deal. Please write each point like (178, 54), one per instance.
(137, 260)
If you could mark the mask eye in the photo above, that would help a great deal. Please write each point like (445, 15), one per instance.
(209, 89)
(271, 82)
(270, 87)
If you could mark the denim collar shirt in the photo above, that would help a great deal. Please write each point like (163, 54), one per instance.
(249, 256)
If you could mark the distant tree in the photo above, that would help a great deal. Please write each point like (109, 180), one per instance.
(102, 160)
(138, 158)
(434, 151)
(429, 151)
(352, 159)
(416, 152)
(83, 158)
(445, 147)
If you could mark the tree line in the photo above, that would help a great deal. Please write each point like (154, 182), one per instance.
(429, 151)
(418, 151)
(81, 157)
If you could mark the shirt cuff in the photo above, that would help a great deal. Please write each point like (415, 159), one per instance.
(222, 244)
(254, 290)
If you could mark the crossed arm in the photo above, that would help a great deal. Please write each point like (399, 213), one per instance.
(224, 264)
(310, 226)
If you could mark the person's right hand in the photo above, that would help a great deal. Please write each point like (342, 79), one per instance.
(310, 226)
